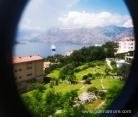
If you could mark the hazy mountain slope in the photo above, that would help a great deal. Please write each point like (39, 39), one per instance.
(79, 36)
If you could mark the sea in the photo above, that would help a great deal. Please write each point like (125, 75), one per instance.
(44, 49)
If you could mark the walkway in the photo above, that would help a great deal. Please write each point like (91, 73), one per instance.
(100, 105)
(102, 84)
(109, 63)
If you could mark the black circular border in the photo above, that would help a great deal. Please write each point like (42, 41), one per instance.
(10, 102)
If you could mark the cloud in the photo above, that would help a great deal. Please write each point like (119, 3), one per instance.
(75, 19)
(44, 13)
(128, 23)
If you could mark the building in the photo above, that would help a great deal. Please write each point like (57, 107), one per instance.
(28, 68)
(125, 45)
(47, 65)
(98, 45)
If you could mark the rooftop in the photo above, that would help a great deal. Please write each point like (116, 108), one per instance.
(127, 39)
(26, 59)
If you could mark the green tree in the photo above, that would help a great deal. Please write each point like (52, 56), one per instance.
(110, 49)
(124, 70)
(71, 78)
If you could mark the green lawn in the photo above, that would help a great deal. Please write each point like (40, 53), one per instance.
(93, 70)
(93, 105)
(64, 87)
(96, 83)
(109, 83)
(54, 73)
(97, 69)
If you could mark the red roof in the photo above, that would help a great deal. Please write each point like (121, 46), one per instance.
(26, 59)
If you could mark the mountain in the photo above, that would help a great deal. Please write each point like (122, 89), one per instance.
(91, 36)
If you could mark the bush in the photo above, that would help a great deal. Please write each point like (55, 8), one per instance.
(113, 63)
(85, 77)
(89, 75)
(46, 79)
(91, 65)
(102, 94)
(87, 81)
(77, 70)
(92, 89)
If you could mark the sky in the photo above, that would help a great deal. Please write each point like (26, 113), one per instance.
(46, 14)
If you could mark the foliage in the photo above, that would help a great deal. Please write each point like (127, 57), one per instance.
(46, 79)
(110, 49)
(44, 104)
(47, 101)
(121, 55)
(67, 73)
(87, 81)
(107, 71)
(85, 54)
(112, 94)
(124, 70)
(92, 89)
(88, 76)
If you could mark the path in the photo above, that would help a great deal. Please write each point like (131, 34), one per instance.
(109, 63)
(100, 105)
(82, 87)
(102, 84)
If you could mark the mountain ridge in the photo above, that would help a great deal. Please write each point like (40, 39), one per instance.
(96, 35)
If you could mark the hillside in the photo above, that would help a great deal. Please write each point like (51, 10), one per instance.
(91, 36)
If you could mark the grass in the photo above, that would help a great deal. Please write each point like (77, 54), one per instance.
(109, 83)
(93, 105)
(54, 73)
(100, 66)
(96, 83)
(93, 70)
(84, 88)
(64, 87)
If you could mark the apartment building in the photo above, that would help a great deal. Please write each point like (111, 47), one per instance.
(27, 68)
(125, 45)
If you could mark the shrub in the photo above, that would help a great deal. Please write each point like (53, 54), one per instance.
(87, 81)
(77, 70)
(91, 65)
(102, 94)
(46, 79)
(92, 89)
(85, 77)
(89, 75)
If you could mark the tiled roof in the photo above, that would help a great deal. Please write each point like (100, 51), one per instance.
(26, 59)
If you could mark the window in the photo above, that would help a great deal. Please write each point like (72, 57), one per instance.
(20, 69)
(29, 63)
(29, 67)
(29, 74)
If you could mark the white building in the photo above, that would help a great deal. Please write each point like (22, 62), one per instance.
(98, 45)
(125, 45)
